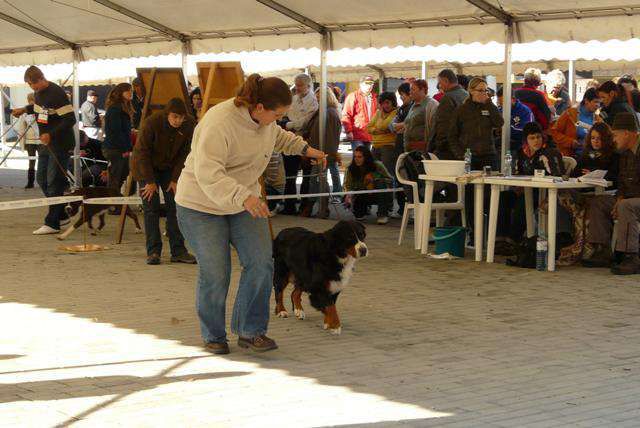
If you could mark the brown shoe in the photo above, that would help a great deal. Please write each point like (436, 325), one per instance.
(258, 344)
(218, 348)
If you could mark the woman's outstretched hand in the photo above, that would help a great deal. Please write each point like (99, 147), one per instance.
(256, 207)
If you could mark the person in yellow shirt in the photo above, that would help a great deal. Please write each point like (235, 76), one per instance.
(383, 138)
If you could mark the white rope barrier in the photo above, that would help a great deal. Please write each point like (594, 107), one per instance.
(136, 200)
(41, 202)
(121, 200)
(319, 195)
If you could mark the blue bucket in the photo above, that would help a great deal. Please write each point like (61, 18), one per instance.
(450, 240)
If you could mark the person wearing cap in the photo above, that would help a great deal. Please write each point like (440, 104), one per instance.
(623, 207)
(158, 157)
(91, 121)
(532, 97)
(359, 108)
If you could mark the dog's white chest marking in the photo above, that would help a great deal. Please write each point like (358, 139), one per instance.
(345, 275)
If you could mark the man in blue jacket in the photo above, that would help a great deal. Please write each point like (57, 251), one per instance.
(520, 116)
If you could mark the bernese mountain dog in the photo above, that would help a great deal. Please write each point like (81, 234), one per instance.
(320, 264)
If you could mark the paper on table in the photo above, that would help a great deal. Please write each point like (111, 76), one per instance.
(595, 178)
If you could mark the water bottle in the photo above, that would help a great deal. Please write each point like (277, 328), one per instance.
(541, 247)
(508, 160)
(467, 161)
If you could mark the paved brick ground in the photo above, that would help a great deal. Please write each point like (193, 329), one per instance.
(103, 340)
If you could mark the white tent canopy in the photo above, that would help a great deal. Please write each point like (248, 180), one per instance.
(47, 31)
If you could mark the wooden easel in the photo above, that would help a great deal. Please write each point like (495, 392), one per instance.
(218, 81)
(160, 85)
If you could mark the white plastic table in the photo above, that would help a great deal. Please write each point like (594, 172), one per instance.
(528, 185)
(425, 211)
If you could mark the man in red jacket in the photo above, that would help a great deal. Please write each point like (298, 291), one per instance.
(359, 107)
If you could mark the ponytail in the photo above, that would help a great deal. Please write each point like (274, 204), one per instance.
(271, 92)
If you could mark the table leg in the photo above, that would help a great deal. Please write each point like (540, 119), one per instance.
(493, 221)
(417, 224)
(479, 220)
(551, 236)
(528, 203)
(425, 214)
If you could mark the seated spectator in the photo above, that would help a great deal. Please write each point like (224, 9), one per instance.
(599, 153)
(520, 116)
(365, 173)
(382, 138)
(533, 98)
(570, 130)
(534, 154)
(613, 102)
(624, 207)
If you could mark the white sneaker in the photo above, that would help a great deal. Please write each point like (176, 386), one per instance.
(383, 220)
(46, 230)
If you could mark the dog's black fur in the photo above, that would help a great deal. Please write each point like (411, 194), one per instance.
(311, 261)
(88, 211)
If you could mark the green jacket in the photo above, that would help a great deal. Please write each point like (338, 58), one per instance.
(472, 128)
(381, 173)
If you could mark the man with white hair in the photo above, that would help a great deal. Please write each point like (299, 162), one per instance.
(304, 104)
(533, 98)
(557, 91)
(303, 107)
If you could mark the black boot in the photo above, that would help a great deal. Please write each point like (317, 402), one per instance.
(629, 265)
(600, 258)
(31, 175)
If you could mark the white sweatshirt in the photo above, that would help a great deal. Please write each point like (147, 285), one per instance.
(229, 153)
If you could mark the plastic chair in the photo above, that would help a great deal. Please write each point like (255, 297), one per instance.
(569, 165)
(416, 205)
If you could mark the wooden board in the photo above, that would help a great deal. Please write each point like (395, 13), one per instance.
(218, 81)
(160, 85)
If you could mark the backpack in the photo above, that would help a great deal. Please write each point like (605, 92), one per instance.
(411, 168)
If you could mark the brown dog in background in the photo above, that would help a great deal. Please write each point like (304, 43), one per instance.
(88, 211)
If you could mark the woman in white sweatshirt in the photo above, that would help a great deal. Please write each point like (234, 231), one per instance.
(218, 205)
(28, 129)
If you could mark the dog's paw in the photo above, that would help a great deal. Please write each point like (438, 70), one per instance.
(60, 238)
(139, 231)
(325, 326)
(283, 314)
(336, 331)
(299, 314)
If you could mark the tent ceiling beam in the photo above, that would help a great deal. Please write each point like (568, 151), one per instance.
(156, 26)
(38, 31)
(500, 14)
(318, 28)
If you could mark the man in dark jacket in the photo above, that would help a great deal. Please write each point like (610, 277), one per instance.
(454, 96)
(55, 122)
(530, 96)
(157, 161)
(624, 207)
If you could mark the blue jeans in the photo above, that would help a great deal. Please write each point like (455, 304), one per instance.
(210, 237)
(335, 176)
(52, 181)
(152, 218)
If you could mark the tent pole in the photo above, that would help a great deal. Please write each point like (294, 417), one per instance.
(323, 89)
(186, 48)
(2, 124)
(424, 70)
(77, 169)
(506, 103)
(572, 81)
